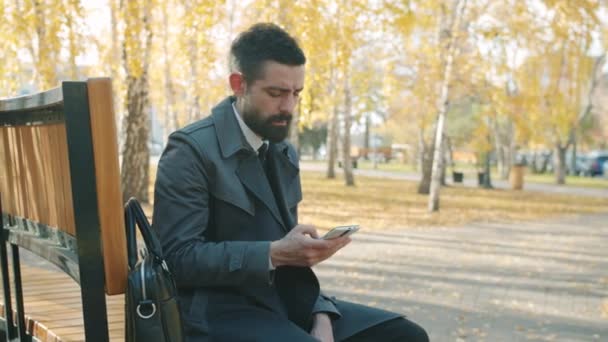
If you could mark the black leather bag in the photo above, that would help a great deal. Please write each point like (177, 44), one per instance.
(152, 310)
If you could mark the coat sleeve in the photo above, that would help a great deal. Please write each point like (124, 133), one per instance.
(181, 216)
(325, 304)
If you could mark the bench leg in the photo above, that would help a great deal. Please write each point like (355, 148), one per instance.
(23, 336)
(6, 287)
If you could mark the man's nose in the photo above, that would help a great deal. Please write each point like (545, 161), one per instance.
(288, 103)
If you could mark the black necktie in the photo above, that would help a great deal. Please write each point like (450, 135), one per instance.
(262, 152)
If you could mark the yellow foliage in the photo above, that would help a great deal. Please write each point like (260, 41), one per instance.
(134, 36)
(528, 64)
(38, 28)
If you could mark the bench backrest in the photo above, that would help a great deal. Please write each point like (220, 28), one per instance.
(60, 189)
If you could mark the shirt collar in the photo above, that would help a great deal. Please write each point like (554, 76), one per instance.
(253, 139)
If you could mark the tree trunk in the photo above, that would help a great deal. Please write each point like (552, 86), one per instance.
(510, 150)
(443, 172)
(45, 75)
(347, 165)
(136, 155)
(559, 162)
(573, 167)
(545, 163)
(332, 143)
(420, 148)
(368, 124)
(534, 163)
(424, 186)
(487, 172)
(503, 145)
(500, 157)
(294, 133)
(117, 82)
(193, 97)
(433, 204)
(73, 48)
(170, 115)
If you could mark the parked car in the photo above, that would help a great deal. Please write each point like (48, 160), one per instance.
(595, 163)
(580, 167)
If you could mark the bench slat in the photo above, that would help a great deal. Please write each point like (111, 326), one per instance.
(36, 156)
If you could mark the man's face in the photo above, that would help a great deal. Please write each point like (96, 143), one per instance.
(268, 103)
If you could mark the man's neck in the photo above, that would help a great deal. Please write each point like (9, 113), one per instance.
(254, 140)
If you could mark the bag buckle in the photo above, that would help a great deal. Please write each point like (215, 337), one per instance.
(145, 304)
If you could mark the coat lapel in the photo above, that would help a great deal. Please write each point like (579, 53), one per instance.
(282, 174)
(282, 170)
(252, 175)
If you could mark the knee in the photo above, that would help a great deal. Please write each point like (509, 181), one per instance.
(411, 332)
(420, 335)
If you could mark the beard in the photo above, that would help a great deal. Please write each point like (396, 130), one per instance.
(264, 126)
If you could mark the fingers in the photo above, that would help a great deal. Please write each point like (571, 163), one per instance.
(306, 250)
(306, 229)
(338, 242)
(333, 244)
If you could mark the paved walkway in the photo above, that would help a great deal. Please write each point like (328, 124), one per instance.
(541, 281)
(533, 281)
(471, 181)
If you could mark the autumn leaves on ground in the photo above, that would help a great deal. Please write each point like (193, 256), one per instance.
(377, 203)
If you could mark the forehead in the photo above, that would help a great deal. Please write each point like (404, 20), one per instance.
(281, 75)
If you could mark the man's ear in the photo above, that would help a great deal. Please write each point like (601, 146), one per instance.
(237, 83)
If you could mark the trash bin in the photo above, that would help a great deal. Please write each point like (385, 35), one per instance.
(480, 178)
(457, 177)
(353, 162)
(516, 177)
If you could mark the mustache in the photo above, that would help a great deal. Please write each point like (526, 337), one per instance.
(281, 117)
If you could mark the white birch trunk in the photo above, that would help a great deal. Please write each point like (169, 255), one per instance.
(433, 204)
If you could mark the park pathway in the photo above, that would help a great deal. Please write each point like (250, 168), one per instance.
(535, 281)
(545, 280)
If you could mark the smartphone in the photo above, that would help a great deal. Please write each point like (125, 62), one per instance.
(340, 231)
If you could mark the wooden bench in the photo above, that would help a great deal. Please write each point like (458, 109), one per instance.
(60, 198)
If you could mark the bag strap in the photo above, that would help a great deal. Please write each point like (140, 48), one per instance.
(135, 217)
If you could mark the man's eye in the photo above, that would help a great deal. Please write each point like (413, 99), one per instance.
(274, 93)
(296, 94)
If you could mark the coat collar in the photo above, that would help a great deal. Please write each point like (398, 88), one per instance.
(229, 133)
(250, 172)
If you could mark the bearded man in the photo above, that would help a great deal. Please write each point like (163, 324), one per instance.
(225, 210)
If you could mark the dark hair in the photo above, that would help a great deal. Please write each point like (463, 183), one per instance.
(260, 43)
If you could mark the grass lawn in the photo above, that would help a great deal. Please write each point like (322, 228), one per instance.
(391, 166)
(591, 182)
(382, 203)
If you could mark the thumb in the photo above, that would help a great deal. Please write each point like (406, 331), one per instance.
(306, 229)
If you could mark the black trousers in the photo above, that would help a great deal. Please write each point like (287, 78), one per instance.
(263, 326)
(395, 330)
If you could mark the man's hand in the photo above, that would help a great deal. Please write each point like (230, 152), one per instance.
(321, 328)
(302, 247)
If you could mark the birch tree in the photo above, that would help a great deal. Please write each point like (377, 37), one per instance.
(443, 106)
(137, 46)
